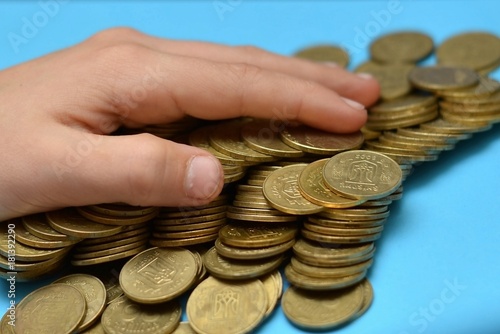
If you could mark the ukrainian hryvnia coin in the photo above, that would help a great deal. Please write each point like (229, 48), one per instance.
(322, 310)
(184, 328)
(94, 292)
(281, 189)
(221, 307)
(436, 78)
(362, 174)
(257, 235)
(158, 275)
(325, 54)
(124, 316)
(55, 308)
(393, 78)
(401, 47)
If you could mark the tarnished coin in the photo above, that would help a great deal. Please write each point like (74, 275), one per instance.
(95, 329)
(94, 292)
(315, 141)
(401, 47)
(55, 308)
(221, 307)
(440, 78)
(108, 258)
(325, 53)
(233, 269)
(329, 272)
(393, 78)
(240, 253)
(475, 50)
(313, 188)
(124, 316)
(158, 275)
(263, 136)
(39, 226)
(24, 237)
(331, 308)
(122, 210)
(323, 283)
(184, 328)
(114, 220)
(313, 250)
(281, 189)
(183, 242)
(70, 222)
(257, 235)
(362, 174)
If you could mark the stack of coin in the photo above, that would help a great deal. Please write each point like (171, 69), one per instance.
(185, 226)
(32, 255)
(168, 130)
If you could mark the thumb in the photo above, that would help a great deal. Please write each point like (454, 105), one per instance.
(148, 171)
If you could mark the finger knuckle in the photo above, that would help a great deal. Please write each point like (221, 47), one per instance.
(113, 35)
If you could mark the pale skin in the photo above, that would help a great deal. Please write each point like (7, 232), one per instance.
(57, 110)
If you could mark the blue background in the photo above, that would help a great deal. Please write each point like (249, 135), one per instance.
(446, 227)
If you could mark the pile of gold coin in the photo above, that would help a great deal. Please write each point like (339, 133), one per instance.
(297, 200)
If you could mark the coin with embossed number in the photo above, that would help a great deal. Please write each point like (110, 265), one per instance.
(158, 275)
(222, 307)
(124, 316)
(362, 174)
(55, 308)
(94, 292)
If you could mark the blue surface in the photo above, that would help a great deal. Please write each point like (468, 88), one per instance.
(444, 232)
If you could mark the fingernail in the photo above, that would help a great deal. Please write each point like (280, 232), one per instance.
(353, 104)
(365, 75)
(330, 63)
(203, 177)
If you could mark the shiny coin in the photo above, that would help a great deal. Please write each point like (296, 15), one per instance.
(94, 292)
(124, 316)
(232, 269)
(41, 310)
(439, 78)
(313, 188)
(331, 309)
(257, 235)
(325, 53)
(401, 47)
(158, 275)
(243, 304)
(362, 174)
(321, 284)
(320, 142)
(263, 136)
(240, 253)
(70, 222)
(281, 189)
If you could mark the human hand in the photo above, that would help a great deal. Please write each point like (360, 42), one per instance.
(69, 100)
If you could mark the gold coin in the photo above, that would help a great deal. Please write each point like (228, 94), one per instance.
(232, 269)
(187, 234)
(485, 88)
(124, 316)
(320, 142)
(440, 137)
(243, 305)
(114, 220)
(425, 143)
(122, 210)
(313, 188)
(42, 309)
(314, 250)
(335, 231)
(262, 218)
(325, 53)
(38, 226)
(184, 328)
(336, 239)
(239, 253)
(108, 258)
(440, 78)
(189, 220)
(183, 242)
(248, 211)
(263, 136)
(30, 275)
(344, 223)
(281, 189)
(367, 298)
(362, 174)
(95, 329)
(408, 102)
(418, 116)
(331, 308)
(440, 125)
(393, 78)
(339, 215)
(189, 227)
(28, 239)
(331, 272)
(476, 50)
(323, 283)
(189, 213)
(158, 275)
(257, 235)
(110, 250)
(70, 222)
(251, 205)
(94, 292)
(120, 236)
(28, 266)
(401, 47)
(226, 138)
(111, 244)
(273, 283)
(6, 326)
